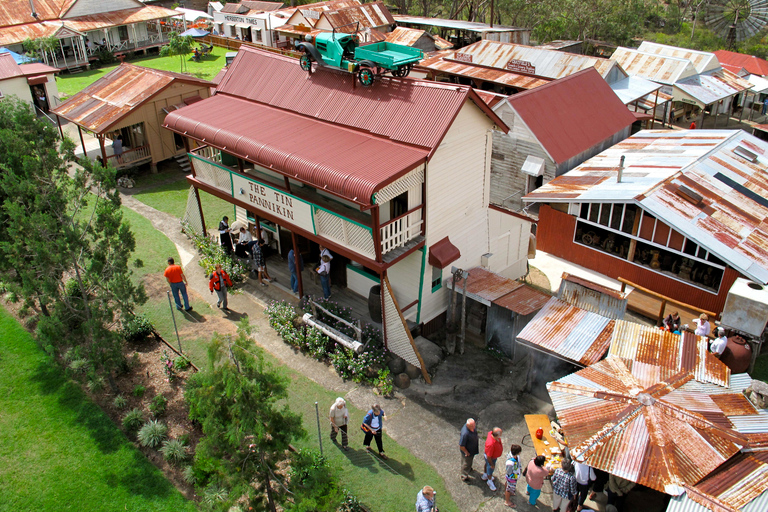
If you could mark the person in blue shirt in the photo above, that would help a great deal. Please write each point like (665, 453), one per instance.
(372, 426)
(425, 500)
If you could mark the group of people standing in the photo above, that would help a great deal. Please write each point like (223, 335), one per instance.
(572, 482)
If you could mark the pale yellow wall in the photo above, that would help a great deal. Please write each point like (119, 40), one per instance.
(18, 87)
(151, 114)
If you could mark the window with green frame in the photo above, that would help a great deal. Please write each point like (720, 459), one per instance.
(437, 278)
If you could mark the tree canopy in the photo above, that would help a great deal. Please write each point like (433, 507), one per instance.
(236, 398)
(64, 245)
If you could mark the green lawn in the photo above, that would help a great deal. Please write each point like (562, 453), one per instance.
(58, 450)
(171, 198)
(206, 69)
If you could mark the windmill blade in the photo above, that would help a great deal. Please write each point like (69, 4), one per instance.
(737, 19)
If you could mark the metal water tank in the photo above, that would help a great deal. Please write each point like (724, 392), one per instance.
(746, 308)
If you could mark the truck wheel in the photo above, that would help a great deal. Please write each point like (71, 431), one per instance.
(305, 62)
(366, 77)
(403, 71)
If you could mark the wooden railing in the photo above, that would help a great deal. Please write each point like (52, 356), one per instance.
(129, 157)
(235, 44)
(400, 230)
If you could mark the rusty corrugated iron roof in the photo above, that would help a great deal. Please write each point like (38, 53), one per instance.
(709, 89)
(659, 68)
(123, 17)
(524, 300)
(568, 332)
(641, 422)
(438, 63)
(18, 12)
(675, 352)
(592, 297)
(18, 33)
(370, 15)
(263, 6)
(8, 67)
(702, 61)
(409, 36)
(485, 286)
(105, 102)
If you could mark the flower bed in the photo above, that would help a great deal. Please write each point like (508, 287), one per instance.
(369, 367)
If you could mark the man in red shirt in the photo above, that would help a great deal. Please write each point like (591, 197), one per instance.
(493, 451)
(178, 281)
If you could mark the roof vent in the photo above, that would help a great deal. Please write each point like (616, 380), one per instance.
(745, 153)
(689, 195)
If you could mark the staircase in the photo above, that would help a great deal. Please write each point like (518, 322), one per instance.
(183, 161)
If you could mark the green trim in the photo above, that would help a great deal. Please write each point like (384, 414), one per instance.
(421, 284)
(363, 273)
(313, 205)
(440, 284)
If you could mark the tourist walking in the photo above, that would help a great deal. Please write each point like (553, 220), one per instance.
(295, 271)
(425, 500)
(117, 148)
(512, 468)
(178, 281)
(563, 485)
(469, 448)
(339, 418)
(219, 283)
(373, 423)
(493, 450)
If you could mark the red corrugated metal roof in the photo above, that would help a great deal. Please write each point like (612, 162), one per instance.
(37, 68)
(524, 300)
(573, 114)
(8, 67)
(486, 286)
(115, 95)
(414, 112)
(644, 423)
(345, 162)
(754, 65)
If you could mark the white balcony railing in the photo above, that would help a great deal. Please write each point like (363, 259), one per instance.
(401, 230)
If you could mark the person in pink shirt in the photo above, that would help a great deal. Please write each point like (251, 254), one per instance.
(493, 451)
(535, 473)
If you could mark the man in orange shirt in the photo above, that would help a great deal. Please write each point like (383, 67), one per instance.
(178, 281)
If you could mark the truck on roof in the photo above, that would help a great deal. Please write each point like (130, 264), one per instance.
(343, 51)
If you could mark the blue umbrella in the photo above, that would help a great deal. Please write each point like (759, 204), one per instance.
(195, 32)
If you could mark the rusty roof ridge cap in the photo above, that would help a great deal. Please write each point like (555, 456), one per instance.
(697, 420)
(707, 500)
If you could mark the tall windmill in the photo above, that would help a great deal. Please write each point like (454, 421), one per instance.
(736, 20)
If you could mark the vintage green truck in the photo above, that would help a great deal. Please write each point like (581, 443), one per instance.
(343, 51)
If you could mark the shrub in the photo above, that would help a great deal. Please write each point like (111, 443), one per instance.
(214, 494)
(181, 363)
(212, 254)
(152, 434)
(120, 402)
(168, 366)
(139, 390)
(158, 405)
(136, 328)
(384, 383)
(189, 476)
(95, 383)
(79, 366)
(314, 483)
(133, 420)
(174, 451)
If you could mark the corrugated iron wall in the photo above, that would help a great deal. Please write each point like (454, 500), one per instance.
(555, 236)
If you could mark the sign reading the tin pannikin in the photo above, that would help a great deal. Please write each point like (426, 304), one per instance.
(463, 57)
(276, 202)
(520, 66)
